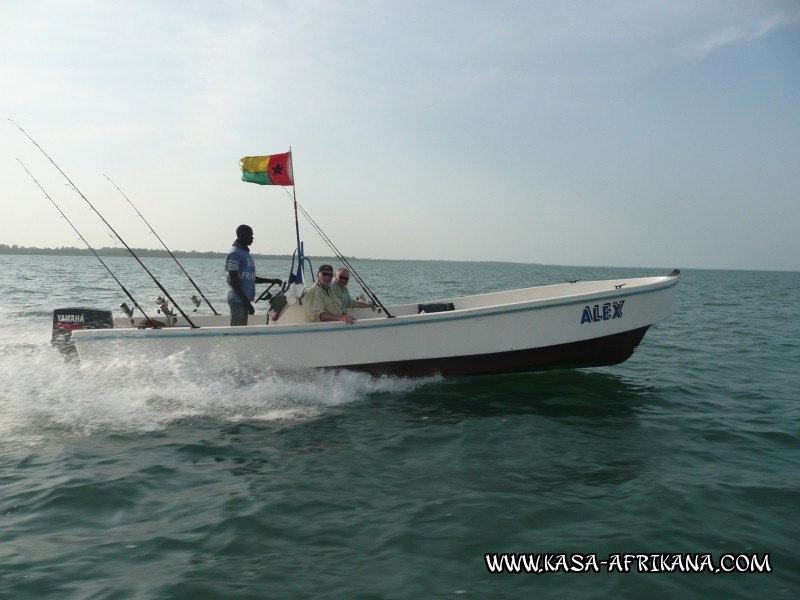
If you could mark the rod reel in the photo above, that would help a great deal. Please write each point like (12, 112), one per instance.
(164, 309)
(362, 297)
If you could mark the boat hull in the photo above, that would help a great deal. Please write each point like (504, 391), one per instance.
(584, 324)
(596, 352)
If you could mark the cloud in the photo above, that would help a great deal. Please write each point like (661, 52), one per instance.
(736, 34)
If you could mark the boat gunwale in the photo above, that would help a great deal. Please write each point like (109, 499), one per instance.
(658, 283)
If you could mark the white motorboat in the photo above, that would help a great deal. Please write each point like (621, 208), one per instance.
(578, 324)
(566, 325)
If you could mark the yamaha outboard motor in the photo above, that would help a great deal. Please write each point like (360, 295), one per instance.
(66, 320)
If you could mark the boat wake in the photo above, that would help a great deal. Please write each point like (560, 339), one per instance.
(43, 396)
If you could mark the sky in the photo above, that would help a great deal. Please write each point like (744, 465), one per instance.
(621, 133)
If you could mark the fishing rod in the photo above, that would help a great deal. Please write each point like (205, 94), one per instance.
(202, 295)
(110, 272)
(128, 248)
(342, 258)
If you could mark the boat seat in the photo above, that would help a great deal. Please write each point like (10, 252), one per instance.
(293, 314)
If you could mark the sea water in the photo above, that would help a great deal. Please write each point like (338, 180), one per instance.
(159, 479)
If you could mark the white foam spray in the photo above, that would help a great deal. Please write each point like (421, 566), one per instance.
(42, 395)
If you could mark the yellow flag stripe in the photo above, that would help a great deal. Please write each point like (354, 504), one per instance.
(254, 164)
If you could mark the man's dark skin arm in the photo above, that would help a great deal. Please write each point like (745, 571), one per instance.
(236, 285)
(266, 280)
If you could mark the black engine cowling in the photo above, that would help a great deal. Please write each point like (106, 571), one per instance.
(67, 320)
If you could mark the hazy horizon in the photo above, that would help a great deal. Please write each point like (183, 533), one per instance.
(180, 252)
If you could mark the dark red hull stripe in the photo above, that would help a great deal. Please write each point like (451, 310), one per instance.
(598, 352)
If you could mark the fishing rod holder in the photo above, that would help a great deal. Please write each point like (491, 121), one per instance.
(164, 309)
(127, 310)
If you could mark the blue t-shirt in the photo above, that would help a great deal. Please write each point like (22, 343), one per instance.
(239, 260)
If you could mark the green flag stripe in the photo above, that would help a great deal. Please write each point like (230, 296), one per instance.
(259, 178)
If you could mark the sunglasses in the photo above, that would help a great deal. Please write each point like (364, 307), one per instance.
(343, 278)
(326, 274)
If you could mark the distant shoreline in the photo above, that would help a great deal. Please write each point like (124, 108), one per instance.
(5, 249)
(109, 251)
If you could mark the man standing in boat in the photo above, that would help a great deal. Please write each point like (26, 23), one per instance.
(242, 277)
(321, 303)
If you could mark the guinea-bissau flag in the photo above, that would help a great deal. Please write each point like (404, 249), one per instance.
(275, 169)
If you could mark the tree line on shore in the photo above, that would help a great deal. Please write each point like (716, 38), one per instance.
(112, 251)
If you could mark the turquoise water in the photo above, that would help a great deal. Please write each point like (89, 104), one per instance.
(149, 479)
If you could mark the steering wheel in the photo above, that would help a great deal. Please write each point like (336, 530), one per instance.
(265, 295)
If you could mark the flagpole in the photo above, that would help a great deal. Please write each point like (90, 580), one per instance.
(294, 197)
(299, 276)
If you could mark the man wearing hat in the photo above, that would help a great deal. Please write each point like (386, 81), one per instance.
(242, 278)
(320, 302)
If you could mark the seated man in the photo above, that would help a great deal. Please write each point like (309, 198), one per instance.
(321, 303)
(340, 290)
